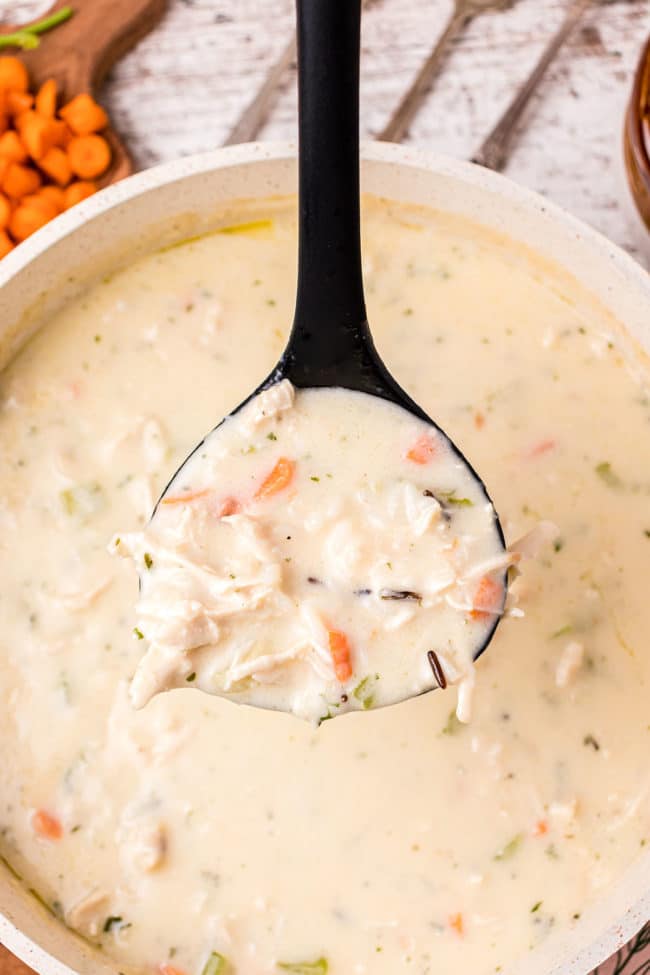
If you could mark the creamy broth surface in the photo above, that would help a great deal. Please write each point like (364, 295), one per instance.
(395, 840)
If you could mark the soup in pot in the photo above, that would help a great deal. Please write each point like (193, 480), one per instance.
(195, 835)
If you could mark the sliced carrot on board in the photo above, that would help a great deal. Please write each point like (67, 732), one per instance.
(185, 498)
(61, 133)
(6, 243)
(487, 599)
(423, 450)
(26, 220)
(89, 155)
(11, 146)
(19, 180)
(277, 480)
(456, 922)
(41, 202)
(38, 134)
(13, 74)
(56, 165)
(341, 655)
(45, 101)
(78, 191)
(55, 195)
(5, 211)
(84, 115)
(46, 825)
(18, 102)
(229, 506)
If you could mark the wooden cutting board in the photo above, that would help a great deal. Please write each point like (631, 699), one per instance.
(11, 966)
(79, 54)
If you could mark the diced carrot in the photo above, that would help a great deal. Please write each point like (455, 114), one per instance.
(84, 115)
(4, 121)
(11, 146)
(229, 506)
(56, 165)
(185, 498)
(89, 155)
(18, 102)
(13, 74)
(487, 599)
(19, 180)
(41, 202)
(26, 220)
(277, 480)
(4, 166)
(61, 133)
(46, 825)
(6, 243)
(45, 101)
(341, 656)
(5, 211)
(78, 191)
(55, 195)
(479, 420)
(38, 134)
(456, 922)
(541, 827)
(541, 448)
(422, 450)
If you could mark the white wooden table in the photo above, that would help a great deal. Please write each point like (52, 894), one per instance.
(183, 87)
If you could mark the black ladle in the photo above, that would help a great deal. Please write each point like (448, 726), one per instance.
(330, 342)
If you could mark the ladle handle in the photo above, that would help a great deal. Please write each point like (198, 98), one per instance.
(330, 332)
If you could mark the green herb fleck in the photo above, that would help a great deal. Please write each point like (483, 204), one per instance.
(113, 921)
(68, 501)
(449, 497)
(563, 631)
(271, 436)
(453, 725)
(313, 478)
(608, 476)
(646, 532)
(534, 909)
(215, 965)
(191, 677)
(558, 544)
(26, 38)
(271, 302)
(138, 633)
(510, 849)
(98, 339)
(365, 691)
(148, 561)
(318, 967)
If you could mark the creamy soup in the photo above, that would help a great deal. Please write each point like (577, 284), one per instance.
(311, 554)
(393, 840)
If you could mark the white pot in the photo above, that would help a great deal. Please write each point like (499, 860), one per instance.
(179, 200)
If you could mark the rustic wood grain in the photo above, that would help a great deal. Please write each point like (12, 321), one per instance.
(9, 965)
(184, 86)
(80, 52)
